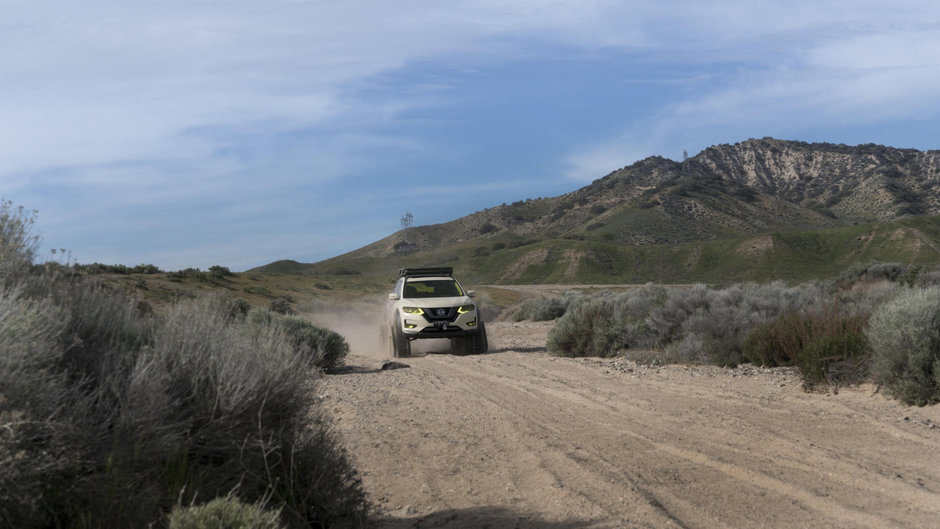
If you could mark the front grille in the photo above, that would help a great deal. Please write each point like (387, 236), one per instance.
(447, 314)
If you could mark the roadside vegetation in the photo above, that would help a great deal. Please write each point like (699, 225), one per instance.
(544, 309)
(116, 415)
(878, 322)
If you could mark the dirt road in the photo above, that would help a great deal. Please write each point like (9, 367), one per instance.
(517, 438)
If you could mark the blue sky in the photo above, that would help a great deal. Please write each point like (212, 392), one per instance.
(201, 132)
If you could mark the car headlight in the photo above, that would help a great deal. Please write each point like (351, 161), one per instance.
(463, 309)
(412, 310)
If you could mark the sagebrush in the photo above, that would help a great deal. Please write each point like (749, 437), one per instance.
(113, 413)
(544, 309)
(905, 339)
(817, 326)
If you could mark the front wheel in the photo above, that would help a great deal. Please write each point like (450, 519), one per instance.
(458, 345)
(401, 346)
(477, 344)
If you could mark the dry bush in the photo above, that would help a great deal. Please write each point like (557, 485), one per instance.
(544, 309)
(710, 325)
(18, 245)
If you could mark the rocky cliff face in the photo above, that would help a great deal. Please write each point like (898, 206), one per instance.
(864, 183)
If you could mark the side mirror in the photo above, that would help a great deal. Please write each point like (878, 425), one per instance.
(471, 293)
(393, 297)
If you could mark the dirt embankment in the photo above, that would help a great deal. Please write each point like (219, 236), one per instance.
(517, 438)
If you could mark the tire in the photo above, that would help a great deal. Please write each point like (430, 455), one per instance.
(401, 346)
(458, 345)
(477, 344)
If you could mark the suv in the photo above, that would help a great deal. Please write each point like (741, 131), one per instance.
(430, 303)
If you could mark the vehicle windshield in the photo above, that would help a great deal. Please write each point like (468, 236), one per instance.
(432, 288)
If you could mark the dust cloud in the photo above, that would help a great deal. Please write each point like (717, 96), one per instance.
(360, 324)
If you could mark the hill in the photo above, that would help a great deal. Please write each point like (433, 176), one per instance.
(759, 209)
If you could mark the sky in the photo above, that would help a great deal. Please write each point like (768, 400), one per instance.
(192, 133)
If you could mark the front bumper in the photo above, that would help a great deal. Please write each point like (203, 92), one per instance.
(450, 325)
(439, 332)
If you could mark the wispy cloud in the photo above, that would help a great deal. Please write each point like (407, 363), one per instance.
(124, 122)
(796, 69)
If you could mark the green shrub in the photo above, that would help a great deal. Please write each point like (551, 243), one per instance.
(888, 271)
(281, 306)
(258, 291)
(192, 274)
(224, 513)
(828, 345)
(873, 271)
(219, 271)
(323, 348)
(777, 342)
(98, 268)
(231, 308)
(487, 228)
(839, 358)
(905, 340)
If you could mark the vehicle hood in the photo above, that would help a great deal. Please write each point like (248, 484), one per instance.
(424, 303)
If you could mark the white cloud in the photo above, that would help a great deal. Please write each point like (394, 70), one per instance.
(830, 64)
(103, 81)
(599, 160)
(145, 104)
(99, 82)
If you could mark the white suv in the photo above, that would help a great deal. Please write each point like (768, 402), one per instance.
(430, 303)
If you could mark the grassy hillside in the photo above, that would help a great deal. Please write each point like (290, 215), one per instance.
(787, 255)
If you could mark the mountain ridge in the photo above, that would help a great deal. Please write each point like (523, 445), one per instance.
(726, 193)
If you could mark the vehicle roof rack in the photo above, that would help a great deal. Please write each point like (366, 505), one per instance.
(425, 272)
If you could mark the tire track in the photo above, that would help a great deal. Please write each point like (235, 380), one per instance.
(553, 393)
(564, 443)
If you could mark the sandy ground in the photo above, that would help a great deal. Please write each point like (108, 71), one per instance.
(517, 438)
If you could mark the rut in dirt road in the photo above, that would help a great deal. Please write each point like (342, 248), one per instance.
(578, 443)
